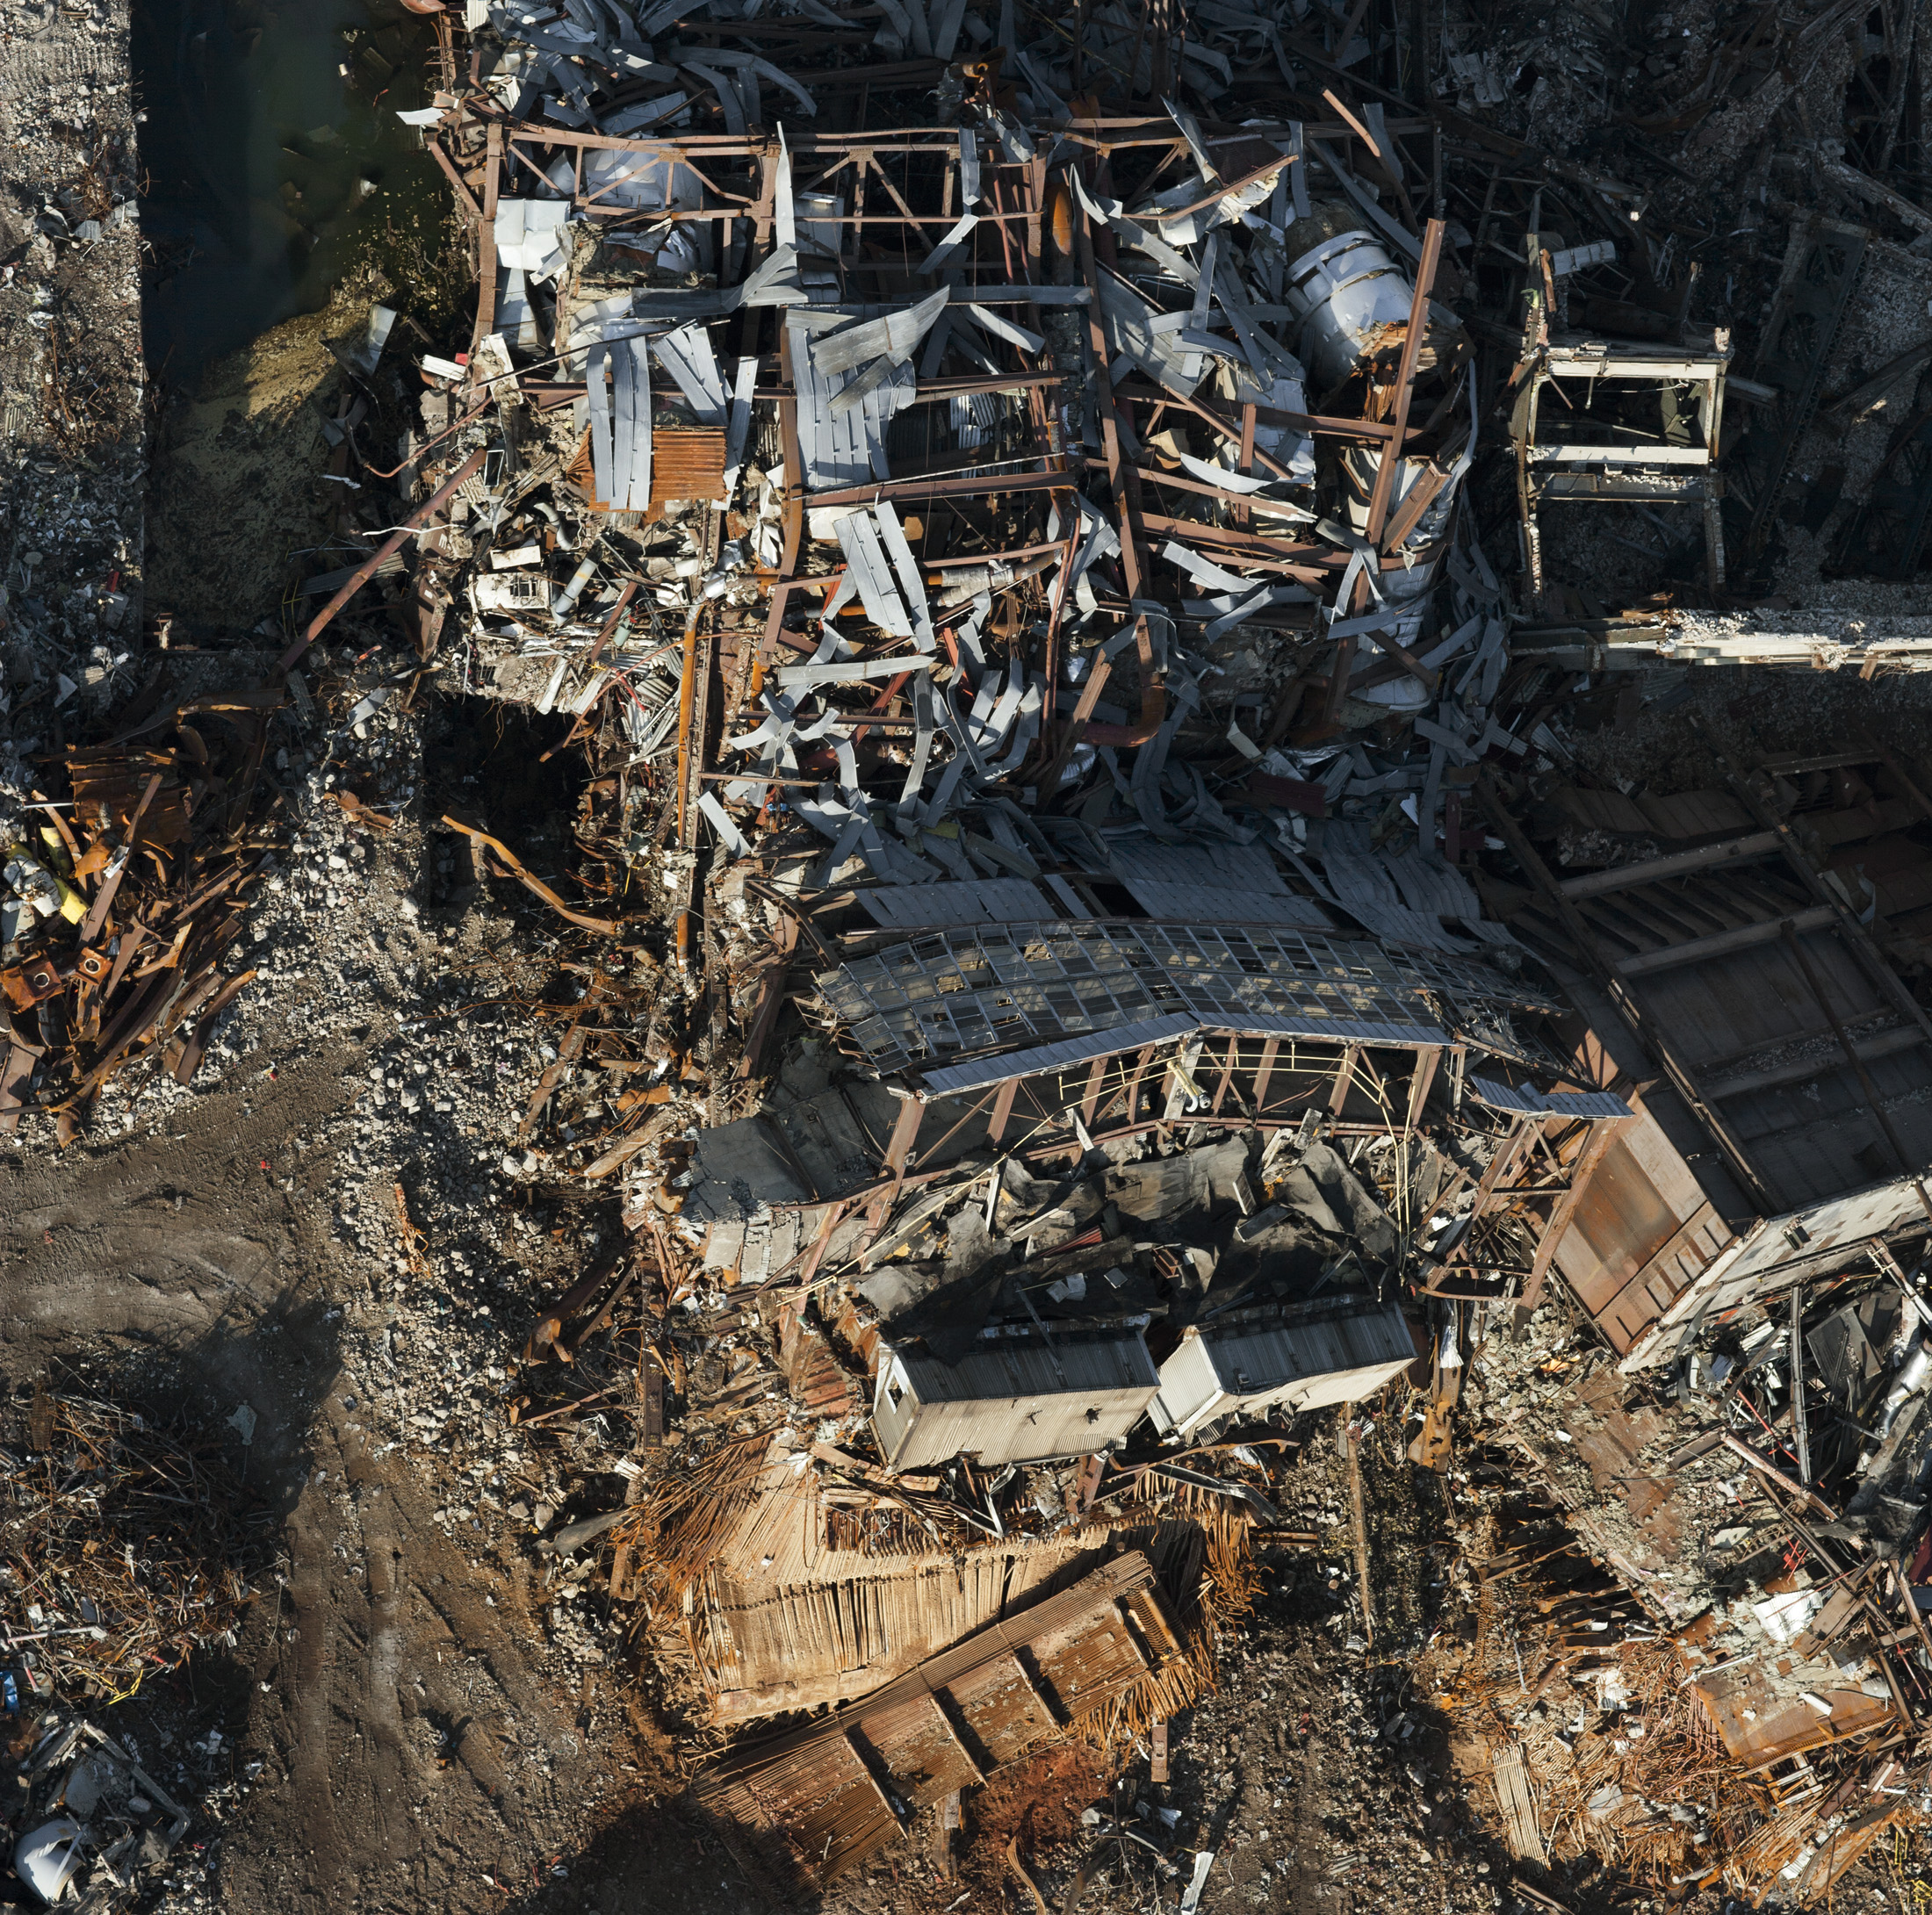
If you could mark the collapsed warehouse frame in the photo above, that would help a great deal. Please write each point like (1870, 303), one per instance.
(908, 569)
(878, 736)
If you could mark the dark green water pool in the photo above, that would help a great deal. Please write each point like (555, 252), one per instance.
(274, 161)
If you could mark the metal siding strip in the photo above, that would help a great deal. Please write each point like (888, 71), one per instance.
(738, 431)
(878, 411)
(619, 495)
(892, 535)
(817, 449)
(859, 538)
(640, 425)
(600, 421)
(686, 355)
(1119, 1037)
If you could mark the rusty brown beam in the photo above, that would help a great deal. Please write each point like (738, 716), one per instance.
(366, 571)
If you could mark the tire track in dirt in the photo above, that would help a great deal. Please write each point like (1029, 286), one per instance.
(306, 1683)
(1310, 1840)
(177, 1257)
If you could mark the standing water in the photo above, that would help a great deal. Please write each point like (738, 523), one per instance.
(274, 161)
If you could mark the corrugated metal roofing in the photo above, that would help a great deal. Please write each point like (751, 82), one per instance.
(843, 448)
(1005, 1367)
(686, 355)
(1213, 883)
(1128, 320)
(1190, 904)
(1428, 885)
(1218, 866)
(686, 463)
(872, 573)
(979, 901)
(1522, 1096)
(1399, 925)
(631, 424)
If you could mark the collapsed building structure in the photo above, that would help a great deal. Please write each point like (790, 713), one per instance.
(1094, 941)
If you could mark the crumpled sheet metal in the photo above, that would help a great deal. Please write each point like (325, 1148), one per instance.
(1062, 518)
(1177, 309)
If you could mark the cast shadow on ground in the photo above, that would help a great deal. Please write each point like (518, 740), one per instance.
(694, 1863)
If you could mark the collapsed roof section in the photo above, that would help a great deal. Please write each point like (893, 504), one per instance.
(1109, 1647)
(959, 519)
(1792, 1126)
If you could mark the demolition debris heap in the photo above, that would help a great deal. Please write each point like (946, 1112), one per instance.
(1095, 927)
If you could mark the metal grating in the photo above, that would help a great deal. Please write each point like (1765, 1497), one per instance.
(982, 988)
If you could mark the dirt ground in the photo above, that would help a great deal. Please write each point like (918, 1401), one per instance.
(409, 1746)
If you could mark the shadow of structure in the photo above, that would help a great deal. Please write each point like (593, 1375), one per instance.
(694, 1863)
(142, 1502)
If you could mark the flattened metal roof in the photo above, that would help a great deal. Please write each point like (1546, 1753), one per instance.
(1212, 884)
(1508, 1097)
(972, 901)
(1187, 903)
(982, 988)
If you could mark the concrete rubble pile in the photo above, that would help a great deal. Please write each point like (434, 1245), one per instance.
(1096, 930)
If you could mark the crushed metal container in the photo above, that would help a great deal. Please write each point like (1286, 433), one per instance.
(1325, 1354)
(1013, 1400)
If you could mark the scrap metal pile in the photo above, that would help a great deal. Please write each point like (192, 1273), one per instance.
(1695, 1648)
(1072, 971)
(1766, 1773)
(1089, 938)
(94, 1826)
(118, 908)
(124, 1547)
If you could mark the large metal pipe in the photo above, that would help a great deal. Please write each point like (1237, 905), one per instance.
(1909, 1383)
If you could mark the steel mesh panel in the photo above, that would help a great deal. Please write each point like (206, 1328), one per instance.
(978, 987)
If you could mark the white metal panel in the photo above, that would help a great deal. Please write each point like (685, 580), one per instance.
(1307, 1364)
(841, 449)
(1777, 1252)
(1012, 1402)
